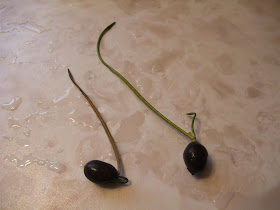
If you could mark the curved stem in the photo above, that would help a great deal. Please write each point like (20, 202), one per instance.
(112, 141)
(193, 132)
(189, 135)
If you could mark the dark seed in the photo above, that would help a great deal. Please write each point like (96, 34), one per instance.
(195, 157)
(100, 172)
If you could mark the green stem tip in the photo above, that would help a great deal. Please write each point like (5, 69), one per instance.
(193, 132)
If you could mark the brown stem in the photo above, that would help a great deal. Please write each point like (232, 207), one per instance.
(112, 141)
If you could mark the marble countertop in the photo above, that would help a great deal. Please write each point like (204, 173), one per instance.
(220, 59)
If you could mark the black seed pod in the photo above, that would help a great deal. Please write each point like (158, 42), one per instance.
(100, 172)
(195, 157)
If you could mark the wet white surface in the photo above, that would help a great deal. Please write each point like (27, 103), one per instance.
(219, 59)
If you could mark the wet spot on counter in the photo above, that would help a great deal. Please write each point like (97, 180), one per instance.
(13, 122)
(56, 166)
(62, 97)
(26, 132)
(28, 160)
(13, 104)
(10, 27)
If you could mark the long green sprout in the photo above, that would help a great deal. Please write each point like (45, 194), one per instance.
(190, 135)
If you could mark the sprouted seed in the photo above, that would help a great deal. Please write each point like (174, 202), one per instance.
(195, 154)
(98, 171)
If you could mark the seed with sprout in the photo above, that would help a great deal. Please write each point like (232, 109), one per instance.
(195, 154)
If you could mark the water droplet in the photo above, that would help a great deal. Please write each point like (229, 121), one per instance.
(23, 142)
(27, 132)
(101, 109)
(155, 95)
(13, 122)
(14, 59)
(223, 200)
(84, 124)
(11, 27)
(72, 112)
(31, 28)
(51, 46)
(11, 158)
(56, 166)
(28, 43)
(28, 160)
(41, 162)
(35, 115)
(13, 104)
(56, 100)
(30, 116)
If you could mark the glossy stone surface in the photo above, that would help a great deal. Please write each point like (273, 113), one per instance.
(220, 59)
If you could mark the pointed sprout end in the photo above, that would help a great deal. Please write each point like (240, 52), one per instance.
(70, 75)
(110, 26)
